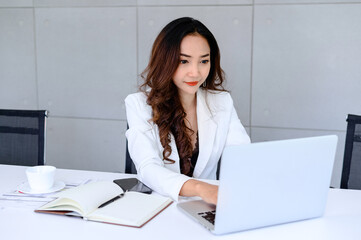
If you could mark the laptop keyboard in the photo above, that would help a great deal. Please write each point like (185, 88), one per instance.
(209, 216)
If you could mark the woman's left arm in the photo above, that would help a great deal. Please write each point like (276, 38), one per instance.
(236, 133)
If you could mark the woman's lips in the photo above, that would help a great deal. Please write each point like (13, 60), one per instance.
(192, 83)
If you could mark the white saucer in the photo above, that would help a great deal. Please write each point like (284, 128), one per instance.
(25, 188)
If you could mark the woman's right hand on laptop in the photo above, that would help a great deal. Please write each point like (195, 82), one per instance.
(208, 192)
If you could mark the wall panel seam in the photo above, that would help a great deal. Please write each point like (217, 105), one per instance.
(306, 4)
(302, 129)
(36, 61)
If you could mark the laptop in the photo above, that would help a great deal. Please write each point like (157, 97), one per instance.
(268, 183)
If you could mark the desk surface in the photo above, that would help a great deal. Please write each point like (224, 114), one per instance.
(342, 219)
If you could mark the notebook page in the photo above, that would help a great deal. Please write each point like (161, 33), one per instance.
(133, 209)
(89, 196)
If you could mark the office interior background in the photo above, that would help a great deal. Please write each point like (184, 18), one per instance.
(292, 67)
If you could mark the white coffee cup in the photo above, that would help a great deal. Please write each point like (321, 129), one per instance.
(40, 178)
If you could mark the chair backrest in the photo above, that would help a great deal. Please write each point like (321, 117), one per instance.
(22, 137)
(351, 171)
(129, 165)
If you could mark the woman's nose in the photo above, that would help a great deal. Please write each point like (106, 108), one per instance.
(194, 70)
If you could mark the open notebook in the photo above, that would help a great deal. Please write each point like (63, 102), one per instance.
(129, 209)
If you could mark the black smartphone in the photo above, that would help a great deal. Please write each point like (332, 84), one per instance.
(132, 184)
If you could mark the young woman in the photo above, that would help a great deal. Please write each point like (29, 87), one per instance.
(183, 118)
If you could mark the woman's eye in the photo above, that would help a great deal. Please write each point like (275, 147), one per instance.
(205, 61)
(183, 61)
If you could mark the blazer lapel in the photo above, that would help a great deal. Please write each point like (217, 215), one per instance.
(174, 156)
(207, 129)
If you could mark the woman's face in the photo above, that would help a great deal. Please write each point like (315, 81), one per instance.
(194, 64)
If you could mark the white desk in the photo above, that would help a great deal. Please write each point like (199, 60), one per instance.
(342, 219)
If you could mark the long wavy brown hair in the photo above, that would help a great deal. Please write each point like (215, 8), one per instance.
(162, 94)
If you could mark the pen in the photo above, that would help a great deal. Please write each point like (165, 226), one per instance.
(112, 200)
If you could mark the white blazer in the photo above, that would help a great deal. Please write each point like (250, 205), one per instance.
(218, 126)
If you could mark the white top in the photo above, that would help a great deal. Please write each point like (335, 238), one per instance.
(342, 219)
(218, 126)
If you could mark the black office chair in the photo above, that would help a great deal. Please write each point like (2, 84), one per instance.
(129, 165)
(22, 137)
(351, 171)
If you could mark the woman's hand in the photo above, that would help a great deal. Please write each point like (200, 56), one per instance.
(208, 192)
